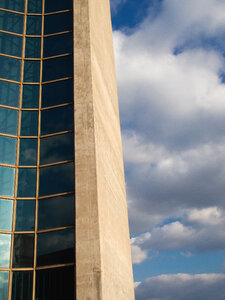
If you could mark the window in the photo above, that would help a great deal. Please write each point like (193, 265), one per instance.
(4, 281)
(30, 96)
(8, 121)
(5, 243)
(26, 182)
(24, 290)
(34, 25)
(33, 47)
(58, 22)
(7, 177)
(11, 22)
(6, 212)
(25, 212)
(16, 5)
(58, 44)
(10, 44)
(9, 93)
(57, 5)
(29, 123)
(28, 152)
(23, 252)
(31, 71)
(10, 68)
(8, 150)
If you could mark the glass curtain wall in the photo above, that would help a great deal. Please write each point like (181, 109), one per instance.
(36, 150)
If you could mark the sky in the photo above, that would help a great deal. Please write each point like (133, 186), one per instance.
(170, 62)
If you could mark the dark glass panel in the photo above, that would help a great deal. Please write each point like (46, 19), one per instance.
(5, 244)
(56, 179)
(23, 252)
(55, 284)
(22, 285)
(57, 148)
(7, 177)
(57, 93)
(6, 212)
(56, 119)
(8, 120)
(27, 182)
(10, 44)
(29, 123)
(56, 212)
(58, 22)
(9, 93)
(25, 211)
(10, 68)
(8, 150)
(57, 5)
(30, 96)
(31, 71)
(4, 281)
(55, 247)
(57, 68)
(58, 44)
(11, 22)
(28, 152)
(33, 47)
(33, 25)
(16, 5)
(35, 6)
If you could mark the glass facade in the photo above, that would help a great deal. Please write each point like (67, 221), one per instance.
(37, 254)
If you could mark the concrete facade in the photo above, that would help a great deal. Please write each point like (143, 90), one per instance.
(103, 256)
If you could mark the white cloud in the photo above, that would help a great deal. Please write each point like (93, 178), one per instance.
(115, 3)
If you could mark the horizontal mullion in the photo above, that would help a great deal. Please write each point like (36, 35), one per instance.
(55, 106)
(55, 229)
(56, 195)
(35, 166)
(12, 11)
(8, 135)
(10, 56)
(55, 266)
(56, 133)
(35, 14)
(8, 80)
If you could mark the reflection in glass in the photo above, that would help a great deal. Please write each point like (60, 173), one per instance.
(55, 247)
(25, 211)
(57, 93)
(9, 93)
(57, 68)
(58, 44)
(11, 22)
(35, 6)
(30, 96)
(60, 283)
(10, 44)
(23, 252)
(29, 123)
(34, 25)
(10, 68)
(58, 22)
(33, 47)
(28, 152)
(8, 150)
(57, 120)
(6, 212)
(16, 5)
(57, 148)
(52, 181)
(7, 177)
(56, 212)
(5, 244)
(4, 281)
(22, 285)
(8, 121)
(31, 71)
(57, 5)
(26, 182)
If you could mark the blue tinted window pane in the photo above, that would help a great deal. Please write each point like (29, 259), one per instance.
(28, 152)
(25, 210)
(11, 22)
(6, 212)
(17, 5)
(58, 5)
(31, 71)
(35, 6)
(57, 148)
(57, 119)
(57, 93)
(22, 285)
(27, 183)
(56, 212)
(58, 22)
(56, 179)
(8, 121)
(34, 25)
(29, 123)
(10, 68)
(33, 47)
(5, 243)
(58, 44)
(10, 44)
(30, 96)
(8, 150)
(7, 177)
(55, 247)
(4, 281)
(9, 93)
(23, 254)
(57, 68)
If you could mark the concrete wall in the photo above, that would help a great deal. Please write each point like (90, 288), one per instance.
(103, 258)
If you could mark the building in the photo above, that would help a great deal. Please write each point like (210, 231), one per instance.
(63, 217)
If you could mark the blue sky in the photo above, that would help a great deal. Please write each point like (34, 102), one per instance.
(170, 61)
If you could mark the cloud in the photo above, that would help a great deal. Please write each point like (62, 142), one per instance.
(181, 287)
(115, 4)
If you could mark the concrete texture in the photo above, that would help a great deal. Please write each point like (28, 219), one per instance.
(103, 257)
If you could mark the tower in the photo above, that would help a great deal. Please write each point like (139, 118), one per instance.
(63, 217)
